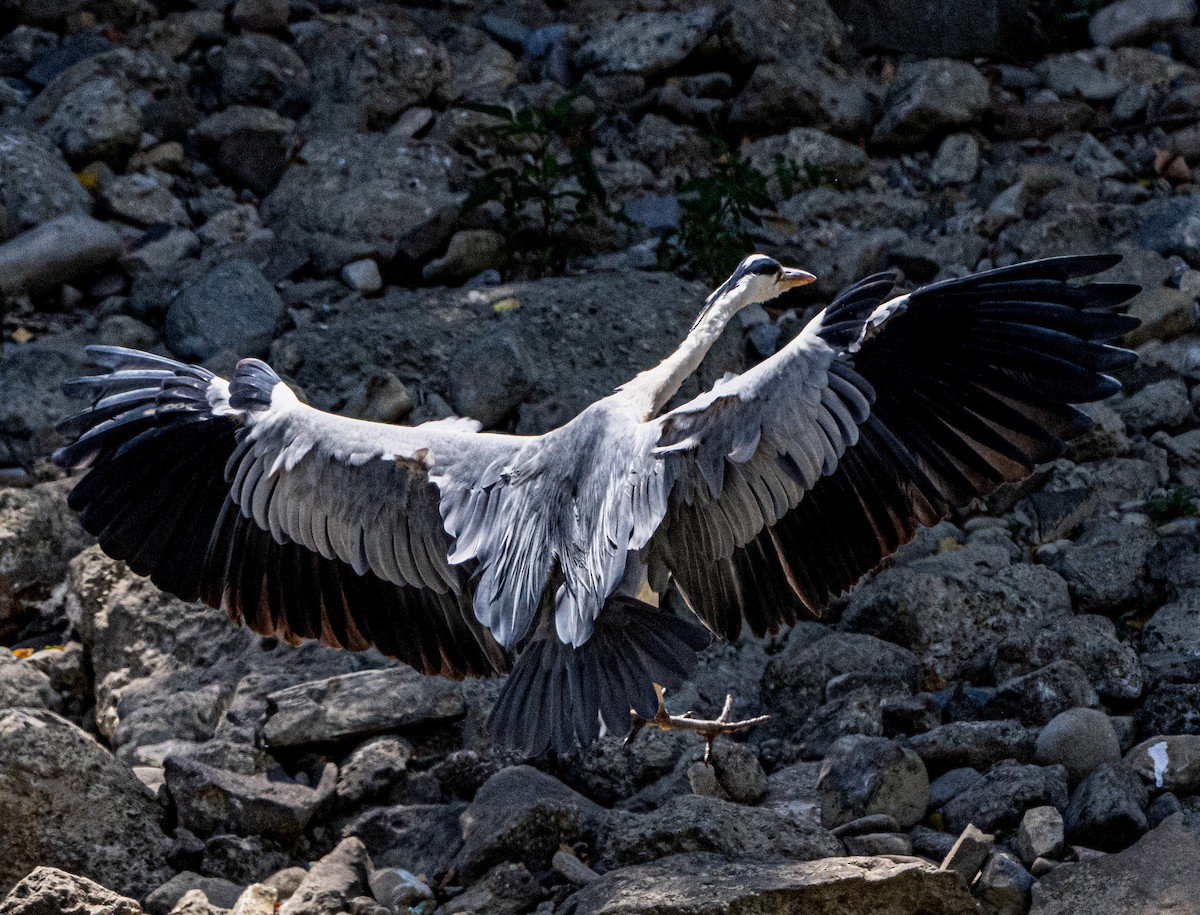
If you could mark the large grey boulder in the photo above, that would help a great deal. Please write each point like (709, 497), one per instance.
(50, 891)
(646, 43)
(78, 808)
(928, 98)
(1081, 739)
(1090, 641)
(520, 814)
(56, 252)
(699, 884)
(209, 799)
(358, 705)
(419, 838)
(369, 68)
(1106, 567)
(1171, 762)
(366, 195)
(951, 609)
(36, 184)
(1108, 809)
(1037, 697)
(38, 537)
(977, 744)
(96, 120)
(1157, 874)
(862, 776)
(1134, 21)
(342, 875)
(693, 823)
(231, 307)
(1004, 793)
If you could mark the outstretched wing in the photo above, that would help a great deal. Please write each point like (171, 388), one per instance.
(799, 476)
(302, 523)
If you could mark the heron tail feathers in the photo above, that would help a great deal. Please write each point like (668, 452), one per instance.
(558, 696)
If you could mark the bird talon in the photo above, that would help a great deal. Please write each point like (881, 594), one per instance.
(709, 729)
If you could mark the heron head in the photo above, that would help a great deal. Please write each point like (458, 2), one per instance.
(759, 279)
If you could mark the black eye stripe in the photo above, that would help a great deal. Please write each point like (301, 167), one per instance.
(763, 267)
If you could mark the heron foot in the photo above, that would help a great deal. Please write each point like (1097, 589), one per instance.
(709, 729)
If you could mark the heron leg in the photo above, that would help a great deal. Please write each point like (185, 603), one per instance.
(709, 729)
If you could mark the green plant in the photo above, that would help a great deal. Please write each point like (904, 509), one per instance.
(547, 184)
(1179, 502)
(716, 210)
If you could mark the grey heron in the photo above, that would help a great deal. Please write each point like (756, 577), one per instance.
(469, 553)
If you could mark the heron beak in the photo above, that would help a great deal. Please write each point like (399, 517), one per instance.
(792, 277)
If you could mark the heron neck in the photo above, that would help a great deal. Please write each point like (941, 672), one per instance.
(650, 390)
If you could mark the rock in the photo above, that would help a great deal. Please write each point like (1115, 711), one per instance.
(1037, 697)
(358, 705)
(208, 799)
(1004, 886)
(398, 889)
(803, 90)
(23, 685)
(693, 823)
(96, 120)
(1078, 74)
(1079, 739)
(691, 884)
(36, 185)
(1163, 806)
(420, 838)
(364, 196)
(1108, 809)
(1040, 834)
(1171, 762)
(469, 253)
(968, 854)
(50, 891)
(646, 43)
(368, 69)
(1157, 874)
(866, 775)
(795, 680)
(260, 15)
(574, 870)
(1161, 405)
(879, 843)
(792, 791)
(490, 377)
(258, 899)
(1175, 626)
(1165, 313)
(38, 537)
(58, 251)
(1135, 21)
(519, 814)
(1170, 708)
(857, 713)
(812, 153)
(221, 893)
(143, 198)
(383, 398)
(957, 160)
(53, 780)
(1170, 226)
(950, 609)
(978, 744)
(1112, 667)
(739, 772)
(370, 768)
(909, 714)
(508, 889)
(1006, 791)
(928, 97)
(231, 307)
(1093, 160)
(332, 882)
(950, 784)
(926, 28)
(260, 70)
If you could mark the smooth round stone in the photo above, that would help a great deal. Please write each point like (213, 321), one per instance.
(1079, 739)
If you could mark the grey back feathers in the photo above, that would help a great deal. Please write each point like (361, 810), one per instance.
(460, 551)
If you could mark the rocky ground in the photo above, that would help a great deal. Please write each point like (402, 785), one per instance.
(1004, 720)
